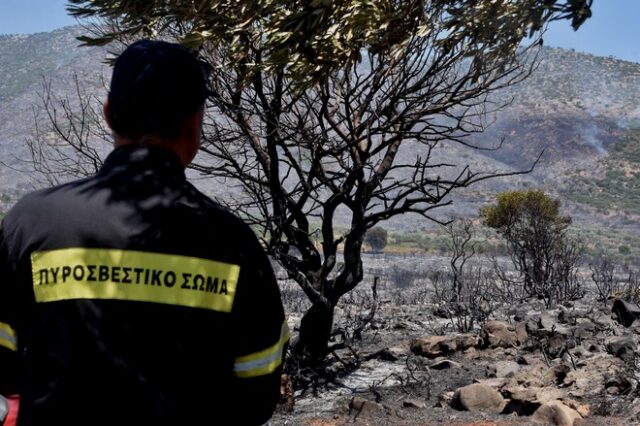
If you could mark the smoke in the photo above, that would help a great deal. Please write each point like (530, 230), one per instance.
(589, 133)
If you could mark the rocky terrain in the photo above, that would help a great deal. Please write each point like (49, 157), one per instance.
(576, 364)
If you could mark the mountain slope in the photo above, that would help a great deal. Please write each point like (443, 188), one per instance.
(580, 109)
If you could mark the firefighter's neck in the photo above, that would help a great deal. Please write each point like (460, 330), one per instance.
(184, 146)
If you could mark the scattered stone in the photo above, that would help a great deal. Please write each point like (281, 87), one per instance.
(589, 378)
(478, 396)
(362, 405)
(499, 334)
(521, 332)
(583, 409)
(445, 399)
(495, 382)
(560, 372)
(435, 346)
(622, 347)
(393, 353)
(413, 403)
(556, 345)
(441, 312)
(520, 316)
(503, 369)
(547, 322)
(445, 364)
(555, 413)
(625, 312)
(525, 401)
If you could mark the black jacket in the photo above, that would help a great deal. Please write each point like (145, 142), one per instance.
(131, 298)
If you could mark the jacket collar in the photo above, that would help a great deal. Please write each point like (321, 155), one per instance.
(144, 157)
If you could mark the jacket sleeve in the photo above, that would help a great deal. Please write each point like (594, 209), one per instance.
(261, 338)
(8, 335)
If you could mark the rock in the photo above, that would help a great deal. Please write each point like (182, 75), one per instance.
(362, 405)
(536, 376)
(594, 348)
(435, 346)
(625, 312)
(495, 382)
(622, 347)
(583, 409)
(584, 330)
(393, 353)
(499, 334)
(503, 369)
(547, 322)
(617, 383)
(525, 401)
(478, 396)
(442, 312)
(521, 332)
(413, 403)
(444, 399)
(555, 413)
(591, 375)
(556, 344)
(445, 364)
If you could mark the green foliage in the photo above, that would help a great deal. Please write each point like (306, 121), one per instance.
(519, 215)
(312, 38)
(377, 238)
(535, 232)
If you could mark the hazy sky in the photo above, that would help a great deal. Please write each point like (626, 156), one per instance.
(613, 30)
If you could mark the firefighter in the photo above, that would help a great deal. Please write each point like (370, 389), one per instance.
(129, 297)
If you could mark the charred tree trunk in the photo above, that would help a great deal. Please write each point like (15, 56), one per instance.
(315, 331)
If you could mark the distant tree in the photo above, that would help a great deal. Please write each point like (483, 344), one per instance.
(377, 238)
(316, 101)
(535, 232)
(462, 248)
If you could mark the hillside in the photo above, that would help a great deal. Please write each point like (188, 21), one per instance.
(582, 110)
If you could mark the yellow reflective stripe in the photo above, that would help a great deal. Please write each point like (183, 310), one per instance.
(83, 273)
(8, 337)
(264, 362)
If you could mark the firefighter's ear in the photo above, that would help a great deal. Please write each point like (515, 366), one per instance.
(105, 112)
(190, 138)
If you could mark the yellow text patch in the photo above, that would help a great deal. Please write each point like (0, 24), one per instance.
(82, 273)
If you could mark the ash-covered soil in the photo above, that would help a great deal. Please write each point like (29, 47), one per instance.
(573, 364)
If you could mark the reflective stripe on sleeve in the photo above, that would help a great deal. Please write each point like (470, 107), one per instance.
(8, 337)
(264, 362)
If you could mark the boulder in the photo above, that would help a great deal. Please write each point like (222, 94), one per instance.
(436, 346)
(445, 364)
(525, 401)
(445, 399)
(413, 403)
(556, 345)
(499, 334)
(555, 413)
(502, 369)
(362, 405)
(625, 312)
(547, 322)
(478, 396)
(623, 347)
(392, 353)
